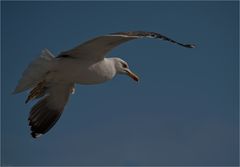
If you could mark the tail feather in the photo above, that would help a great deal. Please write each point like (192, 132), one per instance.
(35, 72)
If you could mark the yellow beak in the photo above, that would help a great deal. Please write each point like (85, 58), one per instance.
(132, 75)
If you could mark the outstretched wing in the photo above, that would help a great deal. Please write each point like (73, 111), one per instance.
(45, 113)
(97, 48)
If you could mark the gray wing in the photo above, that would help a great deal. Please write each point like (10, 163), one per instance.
(97, 48)
(45, 113)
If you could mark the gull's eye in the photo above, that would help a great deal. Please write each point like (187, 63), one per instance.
(124, 65)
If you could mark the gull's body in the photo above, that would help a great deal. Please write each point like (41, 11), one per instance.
(83, 72)
(53, 78)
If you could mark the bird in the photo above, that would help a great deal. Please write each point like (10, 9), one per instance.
(51, 79)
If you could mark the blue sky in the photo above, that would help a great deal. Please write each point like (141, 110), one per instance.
(184, 110)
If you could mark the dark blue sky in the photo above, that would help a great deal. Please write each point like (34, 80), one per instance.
(184, 110)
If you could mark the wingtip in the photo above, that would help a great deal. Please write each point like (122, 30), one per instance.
(26, 101)
(36, 135)
(190, 46)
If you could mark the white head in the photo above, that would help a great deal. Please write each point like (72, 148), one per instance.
(122, 68)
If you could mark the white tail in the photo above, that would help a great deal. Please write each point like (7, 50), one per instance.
(35, 72)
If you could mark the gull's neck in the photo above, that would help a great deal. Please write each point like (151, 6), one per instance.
(107, 67)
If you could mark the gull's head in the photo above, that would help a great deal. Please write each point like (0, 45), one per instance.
(122, 67)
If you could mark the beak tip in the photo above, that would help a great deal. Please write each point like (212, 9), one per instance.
(132, 75)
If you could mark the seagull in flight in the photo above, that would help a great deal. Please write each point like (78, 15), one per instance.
(52, 79)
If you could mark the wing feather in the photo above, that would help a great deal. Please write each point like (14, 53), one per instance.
(97, 48)
(45, 113)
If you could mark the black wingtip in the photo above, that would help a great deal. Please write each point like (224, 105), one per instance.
(190, 46)
(26, 101)
(35, 135)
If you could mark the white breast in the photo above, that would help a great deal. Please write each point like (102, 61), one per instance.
(82, 72)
